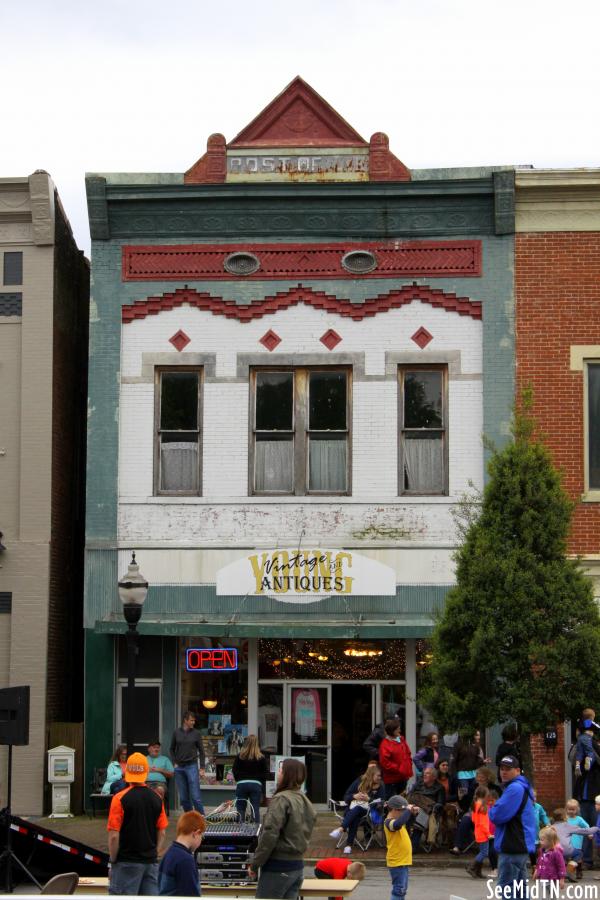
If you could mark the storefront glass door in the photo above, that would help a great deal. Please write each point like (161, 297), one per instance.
(308, 734)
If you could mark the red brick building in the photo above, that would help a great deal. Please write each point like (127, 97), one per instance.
(557, 300)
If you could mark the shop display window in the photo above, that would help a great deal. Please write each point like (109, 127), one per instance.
(329, 660)
(270, 718)
(214, 686)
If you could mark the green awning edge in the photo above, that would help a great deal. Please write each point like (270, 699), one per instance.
(407, 628)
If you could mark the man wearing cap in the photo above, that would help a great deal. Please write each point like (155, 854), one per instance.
(513, 814)
(136, 832)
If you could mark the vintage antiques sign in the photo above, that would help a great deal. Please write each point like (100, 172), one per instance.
(304, 576)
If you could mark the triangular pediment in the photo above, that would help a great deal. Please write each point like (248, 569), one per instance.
(298, 117)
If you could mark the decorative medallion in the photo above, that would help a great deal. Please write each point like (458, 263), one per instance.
(331, 339)
(270, 340)
(422, 337)
(359, 261)
(242, 263)
(179, 340)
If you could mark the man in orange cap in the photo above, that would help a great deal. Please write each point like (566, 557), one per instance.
(136, 832)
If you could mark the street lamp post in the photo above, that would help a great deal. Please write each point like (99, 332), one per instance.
(133, 589)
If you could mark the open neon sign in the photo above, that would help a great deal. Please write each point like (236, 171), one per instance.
(204, 659)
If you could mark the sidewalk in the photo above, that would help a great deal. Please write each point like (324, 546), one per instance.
(93, 833)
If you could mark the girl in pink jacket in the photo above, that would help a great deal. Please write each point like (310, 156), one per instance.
(551, 862)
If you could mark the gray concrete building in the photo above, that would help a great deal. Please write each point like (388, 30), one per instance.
(44, 291)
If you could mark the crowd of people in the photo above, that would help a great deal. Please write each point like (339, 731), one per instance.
(439, 796)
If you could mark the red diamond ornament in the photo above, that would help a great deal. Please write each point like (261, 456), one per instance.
(179, 340)
(421, 337)
(331, 339)
(270, 340)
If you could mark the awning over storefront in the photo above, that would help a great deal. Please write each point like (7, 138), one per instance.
(403, 627)
(197, 610)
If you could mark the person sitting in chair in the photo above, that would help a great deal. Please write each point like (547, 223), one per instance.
(160, 768)
(363, 792)
(430, 796)
(451, 809)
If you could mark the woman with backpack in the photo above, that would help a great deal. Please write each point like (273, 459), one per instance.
(395, 759)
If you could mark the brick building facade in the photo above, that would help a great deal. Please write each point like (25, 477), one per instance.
(342, 329)
(557, 293)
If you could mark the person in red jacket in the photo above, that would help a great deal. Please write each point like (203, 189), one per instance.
(338, 867)
(395, 759)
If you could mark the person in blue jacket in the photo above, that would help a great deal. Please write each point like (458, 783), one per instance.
(514, 816)
(178, 873)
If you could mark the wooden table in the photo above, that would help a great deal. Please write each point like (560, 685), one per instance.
(311, 887)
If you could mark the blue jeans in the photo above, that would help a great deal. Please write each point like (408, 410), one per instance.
(464, 832)
(248, 790)
(279, 885)
(134, 879)
(352, 819)
(399, 876)
(188, 785)
(483, 851)
(512, 873)
(588, 812)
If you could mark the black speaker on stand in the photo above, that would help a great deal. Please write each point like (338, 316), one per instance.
(14, 731)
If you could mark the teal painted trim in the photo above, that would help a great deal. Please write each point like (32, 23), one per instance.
(411, 627)
(340, 217)
(99, 666)
(103, 393)
(504, 202)
(97, 207)
(170, 719)
(498, 339)
(199, 604)
(101, 597)
(379, 190)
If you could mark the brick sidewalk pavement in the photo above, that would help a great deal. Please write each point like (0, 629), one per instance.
(93, 833)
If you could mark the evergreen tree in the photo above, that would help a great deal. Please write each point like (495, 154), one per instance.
(520, 632)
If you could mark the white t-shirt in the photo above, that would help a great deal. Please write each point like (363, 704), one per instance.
(269, 723)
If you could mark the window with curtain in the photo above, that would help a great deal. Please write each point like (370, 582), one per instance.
(178, 395)
(301, 431)
(423, 468)
(593, 426)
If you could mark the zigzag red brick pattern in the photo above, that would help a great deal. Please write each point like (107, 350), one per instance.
(394, 259)
(283, 299)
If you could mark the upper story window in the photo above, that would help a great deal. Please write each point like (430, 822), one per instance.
(592, 371)
(300, 431)
(423, 466)
(13, 268)
(178, 431)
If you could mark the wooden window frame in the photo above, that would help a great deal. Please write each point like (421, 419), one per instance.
(301, 431)
(423, 367)
(158, 373)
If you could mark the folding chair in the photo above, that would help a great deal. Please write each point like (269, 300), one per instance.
(66, 883)
(372, 826)
(339, 809)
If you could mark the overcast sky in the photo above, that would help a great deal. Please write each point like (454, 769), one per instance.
(138, 85)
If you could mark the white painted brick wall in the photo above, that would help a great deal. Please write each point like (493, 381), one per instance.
(300, 328)
(225, 444)
(225, 469)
